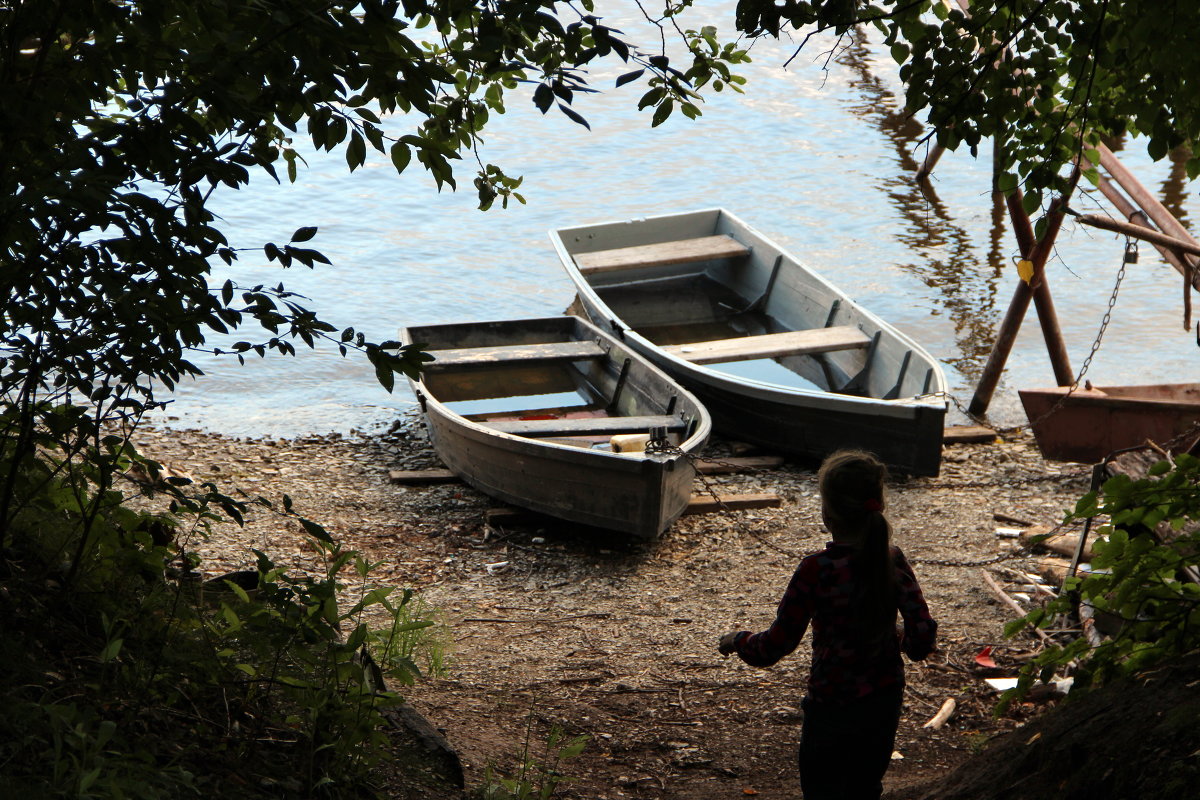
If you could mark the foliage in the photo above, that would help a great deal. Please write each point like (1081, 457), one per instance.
(1142, 578)
(119, 120)
(127, 677)
(1044, 78)
(534, 779)
(123, 118)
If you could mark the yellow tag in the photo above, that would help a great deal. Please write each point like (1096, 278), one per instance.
(1025, 269)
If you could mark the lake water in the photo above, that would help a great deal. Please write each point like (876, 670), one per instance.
(820, 159)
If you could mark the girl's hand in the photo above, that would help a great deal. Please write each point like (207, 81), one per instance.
(728, 643)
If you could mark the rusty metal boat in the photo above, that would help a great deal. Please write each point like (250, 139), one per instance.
(1091, 422)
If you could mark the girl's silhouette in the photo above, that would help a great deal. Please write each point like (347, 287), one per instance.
(850, 592)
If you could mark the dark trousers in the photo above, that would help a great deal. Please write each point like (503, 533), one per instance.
(846, 748)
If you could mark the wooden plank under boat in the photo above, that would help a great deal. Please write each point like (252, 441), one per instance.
(779, 356)
(1089, 423)
(526, 410)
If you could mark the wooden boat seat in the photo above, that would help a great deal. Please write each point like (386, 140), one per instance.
(588, 426)
(772, 345)
(480, 356)
(656, 255)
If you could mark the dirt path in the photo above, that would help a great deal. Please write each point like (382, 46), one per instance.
(617, 640)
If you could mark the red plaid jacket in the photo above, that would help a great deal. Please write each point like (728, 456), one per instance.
(821, 592)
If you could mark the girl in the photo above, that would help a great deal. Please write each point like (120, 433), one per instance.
(850, 592)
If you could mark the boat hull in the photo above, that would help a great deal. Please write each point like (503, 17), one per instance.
(897, 406)
(634, 493)
(1087, 425)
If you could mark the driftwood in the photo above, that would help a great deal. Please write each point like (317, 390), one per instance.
(944, 713)
(968, 434)
(1065, 544)
(421, 477)
(1053, 570)
(1008, 601)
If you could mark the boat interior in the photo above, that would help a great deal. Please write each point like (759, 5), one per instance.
(572, 392)
(749, 311)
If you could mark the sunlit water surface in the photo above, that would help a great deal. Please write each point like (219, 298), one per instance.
(819, 159)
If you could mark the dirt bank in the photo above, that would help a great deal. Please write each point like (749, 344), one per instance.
(616, 639)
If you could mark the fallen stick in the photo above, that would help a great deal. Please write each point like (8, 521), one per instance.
(968, 434)
(1004, 598)
(421, 477)
(944, 713)
(705, 504)
(725, 466)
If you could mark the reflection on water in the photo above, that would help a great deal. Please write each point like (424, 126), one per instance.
(946, 260)
(1174, 188)
(524, 403)
(767, 370)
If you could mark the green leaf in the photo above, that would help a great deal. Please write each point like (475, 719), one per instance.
(662, 112)
(315, 530)
(574, 116)
(401, 156)
(356, 151)
(574, 748)
(304, 234)
(111, 650)
(629, 77)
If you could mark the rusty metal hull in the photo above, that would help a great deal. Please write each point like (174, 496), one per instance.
(1088, 424)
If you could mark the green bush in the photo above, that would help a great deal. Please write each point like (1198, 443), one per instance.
(1143, 578)
(127, 677)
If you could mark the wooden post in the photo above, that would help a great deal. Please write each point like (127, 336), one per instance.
(1135, 231)
(1056, 346)
(1011, 324)
(1157, 212)
(1139, 217)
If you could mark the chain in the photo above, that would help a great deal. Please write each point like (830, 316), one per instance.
(1024, 551)
(661, 446)
(1087, 363)
(1020, 552)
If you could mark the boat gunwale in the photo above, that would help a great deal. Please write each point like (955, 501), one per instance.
(764, 390)
(692, 443)
(1055, 395)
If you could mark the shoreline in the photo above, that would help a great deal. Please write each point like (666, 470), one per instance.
(615, 639)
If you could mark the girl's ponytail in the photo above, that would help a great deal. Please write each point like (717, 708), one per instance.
(851, 485)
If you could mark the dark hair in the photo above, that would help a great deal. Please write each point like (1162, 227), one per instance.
(851, 484)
